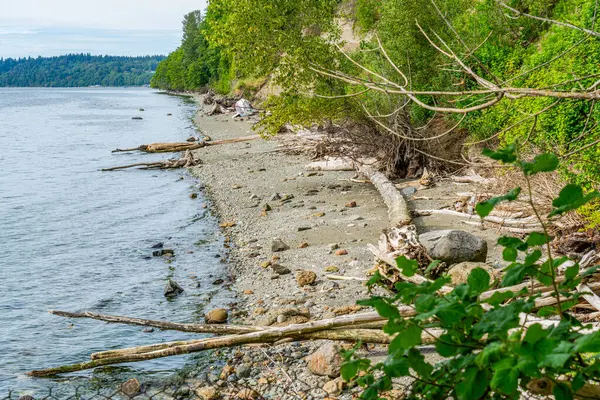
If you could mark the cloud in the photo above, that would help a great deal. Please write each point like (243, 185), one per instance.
(57, 41)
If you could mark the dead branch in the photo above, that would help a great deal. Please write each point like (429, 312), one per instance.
(181, 146)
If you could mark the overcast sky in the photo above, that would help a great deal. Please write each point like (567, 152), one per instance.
(116, 27)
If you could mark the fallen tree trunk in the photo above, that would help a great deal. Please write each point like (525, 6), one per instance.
(188, 160)
(397, 208)
(527, 222)
(332, 164)
(181, 146)
(266, 336)
(196, 328)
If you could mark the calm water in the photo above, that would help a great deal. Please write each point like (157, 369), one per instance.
(74, 238)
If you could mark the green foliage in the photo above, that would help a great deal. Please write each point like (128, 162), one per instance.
(487, 349)
(77, 70)
(196, 63)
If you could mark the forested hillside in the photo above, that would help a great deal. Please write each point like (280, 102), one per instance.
(474, 74)
(76, 70)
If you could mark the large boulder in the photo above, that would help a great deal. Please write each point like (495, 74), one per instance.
(172, 289)
(454, 246)
(326, 361)
(216, 316)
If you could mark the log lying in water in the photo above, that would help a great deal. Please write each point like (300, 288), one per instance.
(270, 335)
(181, 146)
(187, 161)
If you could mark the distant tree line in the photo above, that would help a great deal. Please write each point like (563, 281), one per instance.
(76, 70)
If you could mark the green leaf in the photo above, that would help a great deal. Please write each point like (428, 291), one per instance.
(532, 257)
(432, 266)
(479, 280)
(572, 272)
(578, 382)
(395, 367)
(410, 337)
(382, 305)
(506, 378)
(571, 198)
(506, 155)
(590, 270)
(562, 391)
(512, 242)
(473, 386)
(425, 303)
(407, 266)
(484, 208)
(446, 347)
(509, 254)
(416, 361)
(555, 360)
(349, 370)
(514, 274)
(375, 279)
(537, 239)
(499, 298)
(589, 343)
(534, 334)
(546, 162)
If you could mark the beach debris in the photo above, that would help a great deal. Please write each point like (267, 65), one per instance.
(243, 108)
(188, 160)
(138, 118)
(280, 269)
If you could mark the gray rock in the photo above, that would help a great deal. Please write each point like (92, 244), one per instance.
(172, 289)
(333, 246)
(276, 196)
(243, 371)
(280, 269)
(460, 272)
(454, 246)
(281, 319)
(278, 245)
(408, 191)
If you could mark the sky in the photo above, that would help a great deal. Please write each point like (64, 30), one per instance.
(116, 27)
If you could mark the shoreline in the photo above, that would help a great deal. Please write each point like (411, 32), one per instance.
(261, 195)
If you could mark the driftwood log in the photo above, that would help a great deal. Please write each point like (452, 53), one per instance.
(182, 146)
(187, 161)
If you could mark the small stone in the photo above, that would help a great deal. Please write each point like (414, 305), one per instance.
(163, 252)
(326, 361)
(332, 268)
(303, 245)
(247, 394)
(265, 264)
(305, 277)
(281, 319)
(341, 252)
(218, 281)
(141, 109)
(318, 215)
(169, 114)
(260, 311)
(351, 204)
(280, 269)
(408, 191)
(285, 197)
(248, 291)
(216, 316)
(303, 228)
(236, 187)
(274, 276)
(207, 393)
(158, 245)
(275, 197)
(253, 196)
(172, 289)
(148, 330)
(191, 139)
(279, 245)
(243, 371)
(333, 246)
(334, 387)
(131, 387)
